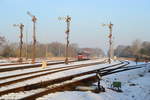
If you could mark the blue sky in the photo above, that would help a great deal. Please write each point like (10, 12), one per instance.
(131, 19)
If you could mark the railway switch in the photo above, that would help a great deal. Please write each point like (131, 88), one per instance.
(99, 77)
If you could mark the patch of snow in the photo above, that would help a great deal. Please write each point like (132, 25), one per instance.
(141, 90)
(54, 75)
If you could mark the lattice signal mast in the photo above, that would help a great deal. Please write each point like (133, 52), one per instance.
(34, 19)
(67, 19)
(21, 41)
(110, 40)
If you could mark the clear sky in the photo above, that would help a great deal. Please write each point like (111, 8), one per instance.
(131, 19)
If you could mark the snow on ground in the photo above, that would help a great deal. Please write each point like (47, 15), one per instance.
(2, 74)
(3, 61)
(27, 93)
(22, 65)
(55, 75)
(14, 60)
(141, 91)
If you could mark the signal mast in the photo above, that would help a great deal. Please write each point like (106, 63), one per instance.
(21, 41)
(67, 19)
(34, 19)
(110, 41)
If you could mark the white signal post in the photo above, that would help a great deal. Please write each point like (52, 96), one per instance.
(67, 20)
(21, 41)
(110, 41)
(34, 19)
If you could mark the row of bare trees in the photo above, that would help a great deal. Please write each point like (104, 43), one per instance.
(54, 49)
(137, 48)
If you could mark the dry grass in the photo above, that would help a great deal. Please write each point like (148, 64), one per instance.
(59, 58)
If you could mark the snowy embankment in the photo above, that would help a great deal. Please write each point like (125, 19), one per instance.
(135, 86)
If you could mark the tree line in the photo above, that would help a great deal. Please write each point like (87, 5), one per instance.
(54, 49)
(136, 49)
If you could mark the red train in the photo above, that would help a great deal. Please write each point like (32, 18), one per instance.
(83, 56)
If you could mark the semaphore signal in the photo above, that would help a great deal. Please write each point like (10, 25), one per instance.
(110, 40)
(67, 19)
(34, 19)
(21, 41)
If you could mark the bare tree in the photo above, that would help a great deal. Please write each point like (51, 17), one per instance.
(2, 40)
(136, 46)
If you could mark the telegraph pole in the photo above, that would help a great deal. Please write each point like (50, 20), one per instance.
(110, 41)
(67, 20)
(21, 41)
(46, 51)
(34, 19)
(26, 45)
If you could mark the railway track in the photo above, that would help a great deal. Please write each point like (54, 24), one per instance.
(54, 81)
(29, 66)
(17, 63)
(72, 84)
(55, 69)
(68, 82)
(123, 69)
(12, 64)
(46, 72)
